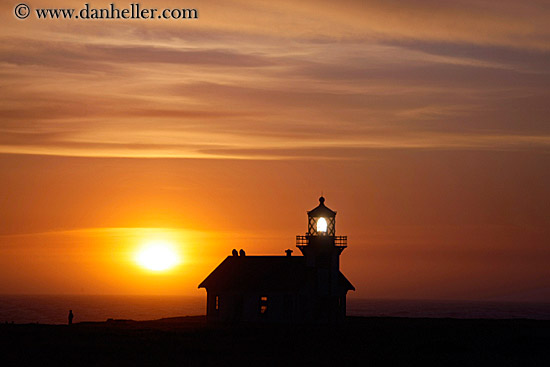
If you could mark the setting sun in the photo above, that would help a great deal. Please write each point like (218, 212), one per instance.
(158, 256)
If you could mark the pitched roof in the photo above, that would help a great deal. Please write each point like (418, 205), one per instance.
(262, 273)
(344, 282)
(321, 210)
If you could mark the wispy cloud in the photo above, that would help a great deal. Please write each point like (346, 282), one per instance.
(276, 80)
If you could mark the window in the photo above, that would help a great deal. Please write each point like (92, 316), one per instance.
(217, 303)
(263, 305)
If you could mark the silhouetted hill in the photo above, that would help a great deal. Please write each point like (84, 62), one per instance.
(189, 341)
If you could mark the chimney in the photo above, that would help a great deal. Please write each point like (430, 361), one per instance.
(242, 253)
(288, 252)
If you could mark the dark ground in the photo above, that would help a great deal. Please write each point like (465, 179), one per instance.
(188, 341)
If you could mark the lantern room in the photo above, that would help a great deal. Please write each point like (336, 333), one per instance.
(321, 220)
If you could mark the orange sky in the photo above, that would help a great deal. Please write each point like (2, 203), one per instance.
(425, 123)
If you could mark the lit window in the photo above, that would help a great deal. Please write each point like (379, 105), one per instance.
(217, 303)
(263, 305)
(321, 225)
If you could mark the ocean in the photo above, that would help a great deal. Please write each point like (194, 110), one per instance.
(53, 309)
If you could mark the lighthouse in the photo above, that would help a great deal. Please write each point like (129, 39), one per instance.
(293, 289)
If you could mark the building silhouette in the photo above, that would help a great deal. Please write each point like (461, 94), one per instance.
(308, 288)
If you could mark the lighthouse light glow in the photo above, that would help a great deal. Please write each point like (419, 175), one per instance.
(321, 225)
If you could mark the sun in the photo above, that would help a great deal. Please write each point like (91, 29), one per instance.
(157, 256)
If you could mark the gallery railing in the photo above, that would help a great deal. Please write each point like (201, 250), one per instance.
(339, 241)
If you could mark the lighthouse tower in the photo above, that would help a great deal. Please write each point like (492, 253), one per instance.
(321, 248)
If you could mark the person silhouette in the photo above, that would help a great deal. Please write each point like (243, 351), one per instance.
(71, 317)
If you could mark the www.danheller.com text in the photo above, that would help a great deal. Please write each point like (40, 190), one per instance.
(132, 11)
